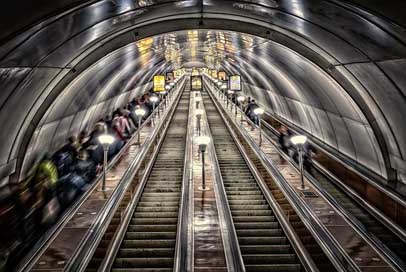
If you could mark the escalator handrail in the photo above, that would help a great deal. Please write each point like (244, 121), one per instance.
(231, 245)
(113, 247)
(376, 181)
(381, 217)
(329, 244)
(399, 231)
(84, 252)
(184, 239)
(45, 241)
(372, 240)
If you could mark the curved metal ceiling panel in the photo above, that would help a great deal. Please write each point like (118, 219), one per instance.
(318, 70)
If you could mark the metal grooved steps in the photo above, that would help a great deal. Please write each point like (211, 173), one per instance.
(149, 243)
(263, 243)
(371, 224)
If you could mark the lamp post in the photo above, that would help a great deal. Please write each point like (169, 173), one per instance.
(154, 99)
(164, 97)
(171, 87)
(203, 141)
(240, 99)
(222, 89)
(198, 100)
(106, 140)
(258, 112)
(198, 113)
(230, 92)
(299, 141)
(139, 112)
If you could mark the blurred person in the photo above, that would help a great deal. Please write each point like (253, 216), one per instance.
(83, 137)
(93, 146)
(131, 125)
(69, 188)
(39, 191)
(64, 157)
(118, 127)
(84, 167)
(284, 140)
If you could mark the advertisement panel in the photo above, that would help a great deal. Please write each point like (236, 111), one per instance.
(222, 76)
(177, 73)
(159, 83)
(214, 73)
(196, 82)
(235, 83)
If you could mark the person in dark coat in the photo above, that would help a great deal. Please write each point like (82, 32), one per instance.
(84, 167)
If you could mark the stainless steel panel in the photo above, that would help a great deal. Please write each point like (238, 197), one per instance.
(9, 80)
(395, 69)
(366, 153)
(18, 106)
(61, 133)
(388, 98)
(328, 133)
(343, 137)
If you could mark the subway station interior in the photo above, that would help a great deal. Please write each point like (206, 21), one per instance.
(203, 135)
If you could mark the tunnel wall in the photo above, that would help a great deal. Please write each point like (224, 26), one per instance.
(363, 53)
(298, 91)
(93, 95)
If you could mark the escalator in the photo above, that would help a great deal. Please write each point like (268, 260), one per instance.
(150, 238)
(263, 244)
(371, 224)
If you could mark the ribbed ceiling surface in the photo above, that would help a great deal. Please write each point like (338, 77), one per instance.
(329, 67)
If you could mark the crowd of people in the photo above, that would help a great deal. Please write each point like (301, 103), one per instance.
(29, 208)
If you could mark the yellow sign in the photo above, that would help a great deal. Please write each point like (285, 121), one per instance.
(195, 72)
(235, 83)
(177, 73)
(222, 75)
(159, 83)
(196, 83)
(214, 73)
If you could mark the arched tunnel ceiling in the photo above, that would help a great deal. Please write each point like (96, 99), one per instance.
(326, 66)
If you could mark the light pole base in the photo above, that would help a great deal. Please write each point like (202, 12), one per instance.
(105, 189)
(205, 188)
(301, 188)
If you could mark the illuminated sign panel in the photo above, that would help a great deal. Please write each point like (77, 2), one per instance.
(222, 75)
(235, 83)
(195, 72)
(169, 77)
(177, 73)
(159, 83)
(196, 83)
(214, 73)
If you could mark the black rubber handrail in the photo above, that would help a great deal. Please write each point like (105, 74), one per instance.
(340, 259)
(39, 248)
(232, 250)
(89, 244)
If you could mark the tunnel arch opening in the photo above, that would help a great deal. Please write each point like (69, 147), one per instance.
(100, 46)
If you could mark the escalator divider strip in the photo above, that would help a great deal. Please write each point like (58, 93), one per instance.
(184, 239)
(301, 251)
(231, 248)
